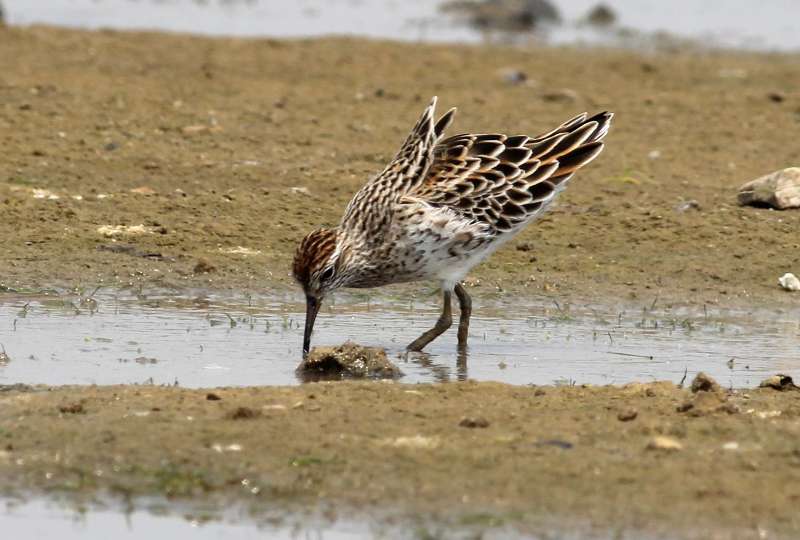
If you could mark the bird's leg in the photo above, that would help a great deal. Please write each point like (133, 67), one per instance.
(465, 304)
(444, 322)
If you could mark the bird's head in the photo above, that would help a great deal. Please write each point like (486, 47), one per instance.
(317, 265)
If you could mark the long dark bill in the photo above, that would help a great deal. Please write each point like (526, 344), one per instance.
(312, 308)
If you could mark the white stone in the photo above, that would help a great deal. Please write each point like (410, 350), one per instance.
(667, 444)
(780, 190)
(789, 282)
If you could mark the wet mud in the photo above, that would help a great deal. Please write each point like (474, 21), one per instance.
(150, 160)
(640, 460)
(146, 161)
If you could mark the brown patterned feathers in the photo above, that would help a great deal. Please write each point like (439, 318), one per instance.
(503, 181)
(440, 207)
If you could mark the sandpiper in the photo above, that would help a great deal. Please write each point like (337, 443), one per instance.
(439, 208)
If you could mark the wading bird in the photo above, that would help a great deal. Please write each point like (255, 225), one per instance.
(440, 207)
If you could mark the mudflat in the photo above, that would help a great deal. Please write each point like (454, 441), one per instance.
(175, 161)
(168, 161)
(641, 460)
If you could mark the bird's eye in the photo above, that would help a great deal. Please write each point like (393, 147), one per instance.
(327, 274)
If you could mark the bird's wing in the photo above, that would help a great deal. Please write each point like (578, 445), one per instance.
(505, 181)
(369, 212)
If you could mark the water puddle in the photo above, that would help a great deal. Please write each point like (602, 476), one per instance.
(209, 341)
(43, 519)
(727, 23)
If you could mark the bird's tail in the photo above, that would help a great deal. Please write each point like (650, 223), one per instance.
(571, 145)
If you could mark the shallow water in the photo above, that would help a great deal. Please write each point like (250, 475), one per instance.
(209, 341)
(771, 25)
(42, 520)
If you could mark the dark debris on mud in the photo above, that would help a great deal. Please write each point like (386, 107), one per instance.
(347, 361)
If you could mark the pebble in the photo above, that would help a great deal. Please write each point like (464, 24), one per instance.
(776, 97)
(704, 383)
(514, 76)
(789, 282)
(778, 382)
(243, 413)
(626, 415)
(72, 408)
(474, 422)
(667, 444)
(687, 205)
(204, 267)
(780, 190)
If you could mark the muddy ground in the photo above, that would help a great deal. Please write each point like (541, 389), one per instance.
(237, 148)
(472, 456)
(150, 161)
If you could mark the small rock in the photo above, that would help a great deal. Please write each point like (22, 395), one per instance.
(626, 415)
(789, 282)
(72, 408)
(204, 267)
(780, 190)
(145, 360)
(779, 382)
(666, 444)
(474, 422)
(601, 15)
(110, 147)
(244, 413)
(514, 76)
(211, 396)
(731, 446)
(704, 383)
(525, 246)
(654, 154)
(687, 205)
(144, 190)
(776, 97)
(349, 360)
(296, 190)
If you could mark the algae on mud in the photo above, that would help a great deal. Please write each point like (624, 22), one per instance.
(572, 456)
(226, 152)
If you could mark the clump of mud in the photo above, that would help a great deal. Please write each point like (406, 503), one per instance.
(347, 361)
